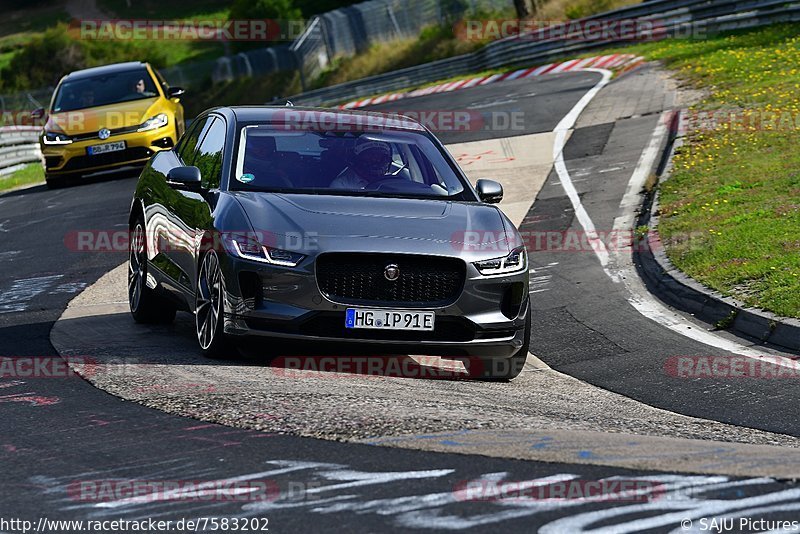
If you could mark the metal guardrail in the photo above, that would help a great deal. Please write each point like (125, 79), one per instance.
(673, 18)
(341, 32)
(353, 29)
(18, 145)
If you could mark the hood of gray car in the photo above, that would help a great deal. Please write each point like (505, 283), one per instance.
(368, 223)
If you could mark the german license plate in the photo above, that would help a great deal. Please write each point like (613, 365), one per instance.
(107, 147)
(389, 319)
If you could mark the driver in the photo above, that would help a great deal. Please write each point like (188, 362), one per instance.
(371, 161)
(139, 87)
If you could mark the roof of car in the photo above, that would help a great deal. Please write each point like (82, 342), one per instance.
(322, 116)
(105, 69)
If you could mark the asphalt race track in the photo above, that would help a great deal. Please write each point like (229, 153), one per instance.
(59, 432)
(611, 344)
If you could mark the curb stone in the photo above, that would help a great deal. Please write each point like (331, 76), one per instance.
(674, 287)
(620, 63)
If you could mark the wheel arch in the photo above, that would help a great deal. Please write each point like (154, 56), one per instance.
(136, 211)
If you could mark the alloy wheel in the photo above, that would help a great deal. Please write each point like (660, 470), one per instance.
(208, 305)
(136, 268)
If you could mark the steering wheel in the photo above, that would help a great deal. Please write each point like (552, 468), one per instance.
(388, 179)
(400, 185)
(399, 168)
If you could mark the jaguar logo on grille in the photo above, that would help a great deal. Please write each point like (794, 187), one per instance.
(105, 133)
(391, 272)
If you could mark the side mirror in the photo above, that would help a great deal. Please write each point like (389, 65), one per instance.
(37, 113)
(175, 92)
(489, 191)
(187, 178)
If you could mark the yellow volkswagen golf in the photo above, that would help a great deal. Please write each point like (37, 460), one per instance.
(108, 117)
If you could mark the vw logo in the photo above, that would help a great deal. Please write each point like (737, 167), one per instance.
(391, 272)
(105, 133)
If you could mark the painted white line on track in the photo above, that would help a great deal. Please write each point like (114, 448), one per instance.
(620, 269)
(18, 296)
(561, 130)
(624, 271)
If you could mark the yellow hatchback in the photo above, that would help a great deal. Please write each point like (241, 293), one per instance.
(108, 117)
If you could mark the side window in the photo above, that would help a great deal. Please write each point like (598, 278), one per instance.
(209, 154)
(190, 139)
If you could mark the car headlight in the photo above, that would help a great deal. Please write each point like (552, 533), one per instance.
(154, 122)
(516, 261)
(54, 138)
(252, 250)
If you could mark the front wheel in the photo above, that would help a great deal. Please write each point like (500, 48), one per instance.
(145, 304)
(55, 181)
(209, 309)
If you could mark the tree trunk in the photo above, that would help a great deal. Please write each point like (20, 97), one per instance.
(524, 8)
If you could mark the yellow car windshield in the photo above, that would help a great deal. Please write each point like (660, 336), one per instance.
(104, 89)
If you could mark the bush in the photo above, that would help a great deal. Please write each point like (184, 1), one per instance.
(277, 10)
(51, 55)
(43, 60)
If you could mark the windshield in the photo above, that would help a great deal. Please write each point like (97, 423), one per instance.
(104, 89)
(374, 163)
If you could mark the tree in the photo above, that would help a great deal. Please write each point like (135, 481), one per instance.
(277, 11)
(525, 8)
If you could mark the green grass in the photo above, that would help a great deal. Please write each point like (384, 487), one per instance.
(730, 213)
(31, 19)
(175, 51)
(18, 27)
(435, 42)
(29, 174)
(5, 58)
(158, 9)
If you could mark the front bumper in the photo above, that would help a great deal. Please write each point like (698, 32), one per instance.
(74, 158)
(281, 302)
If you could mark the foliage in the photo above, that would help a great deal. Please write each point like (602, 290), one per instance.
(55, 53)
(281, 11)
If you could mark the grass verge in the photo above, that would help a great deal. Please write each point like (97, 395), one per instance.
(730, 212)
(434, 42)
(27, 175)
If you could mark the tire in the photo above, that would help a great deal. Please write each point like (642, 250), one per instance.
(55, 182)
(145, 304)
(504, 370)
(209, 310)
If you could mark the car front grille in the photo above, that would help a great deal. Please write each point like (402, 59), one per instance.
(359, 278)
(112, 132)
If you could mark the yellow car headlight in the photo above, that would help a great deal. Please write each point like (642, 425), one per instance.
(154, 123)
(55, 138)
